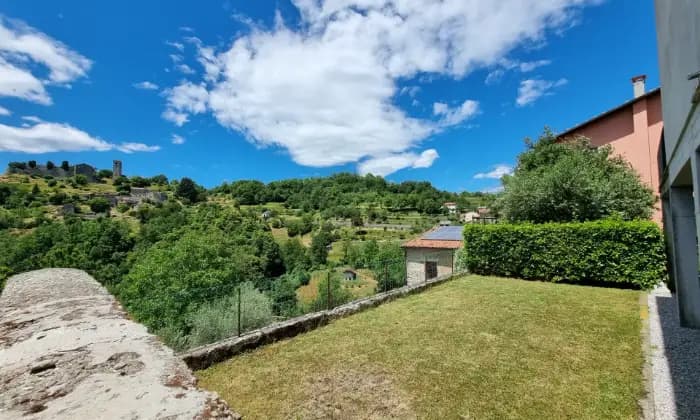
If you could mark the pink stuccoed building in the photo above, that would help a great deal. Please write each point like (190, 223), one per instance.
(634, 130)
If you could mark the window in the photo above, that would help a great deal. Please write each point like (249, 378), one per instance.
(431, 270)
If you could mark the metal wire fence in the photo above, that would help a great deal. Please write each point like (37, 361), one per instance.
(224, 311)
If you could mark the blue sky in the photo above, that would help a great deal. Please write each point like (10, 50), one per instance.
(225, 90)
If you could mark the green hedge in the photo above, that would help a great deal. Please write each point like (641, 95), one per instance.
(603, 252)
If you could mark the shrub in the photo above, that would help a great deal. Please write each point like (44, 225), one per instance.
(604, 252)
(51, 183)
(80, 179)
(100, 205)
(219, 319)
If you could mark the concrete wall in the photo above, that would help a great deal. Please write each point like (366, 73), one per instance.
(634, 132)
(416, 258)
(678, 37)
(678, 34)
(68, 351)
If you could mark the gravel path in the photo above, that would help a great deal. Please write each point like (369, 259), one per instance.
(675, 360)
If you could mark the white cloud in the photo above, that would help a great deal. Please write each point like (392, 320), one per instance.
(24, 50)
(497, 173)
(529, 66)
(452, 116)
(146, 85)
(185, 69)
(494, 76)
(32, 119)
(5, 111)
(504, 65)
(325, 90)
(20, 83)
(176, 139)
(45, 137)
(411, 91)
(386, 165)
(135, 147)
(531, 90)
(176, 58)
(177, 45)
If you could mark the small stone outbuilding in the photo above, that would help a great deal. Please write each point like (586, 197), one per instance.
(433, 254)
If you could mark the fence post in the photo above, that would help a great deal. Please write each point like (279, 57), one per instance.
(328, 290)
(386, 275)
(239, 310)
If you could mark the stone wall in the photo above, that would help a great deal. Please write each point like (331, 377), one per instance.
(205, 356)
(416, 258)
(68, 351)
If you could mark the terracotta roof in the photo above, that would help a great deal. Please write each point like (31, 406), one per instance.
(432, 243)
(606, 113)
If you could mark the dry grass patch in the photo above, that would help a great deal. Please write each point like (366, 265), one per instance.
(476, 347)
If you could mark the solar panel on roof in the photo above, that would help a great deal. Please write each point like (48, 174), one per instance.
(445, 233)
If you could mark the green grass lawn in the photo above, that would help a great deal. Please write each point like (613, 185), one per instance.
(472, 348)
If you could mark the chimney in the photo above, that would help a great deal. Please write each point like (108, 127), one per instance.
(639, 85)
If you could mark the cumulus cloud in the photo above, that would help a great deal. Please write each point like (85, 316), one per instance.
(176, 139)
(20, 83)
(146, 85)
(497, 173)
(531, 90)
(45, 137)
(23, 51)
(386, 165)
(5, 111)
(325, 90)
(452, 116)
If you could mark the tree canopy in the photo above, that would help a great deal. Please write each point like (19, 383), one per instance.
(573, 181)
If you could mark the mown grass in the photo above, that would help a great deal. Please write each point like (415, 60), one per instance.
(474, 348)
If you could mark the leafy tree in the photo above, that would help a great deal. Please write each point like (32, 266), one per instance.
(159, 293)
(337, 295)
(188, 190)
(99, 205)
(284, 295)
(572, 181)
(50, 165)
(140, 182)
(159, 180)
(80, 179)
(295, 256)
(104, 173)
(58, 198)
(65, 166)
(319, 250)
(32, 164)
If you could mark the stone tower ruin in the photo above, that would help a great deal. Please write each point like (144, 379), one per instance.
(116, 169)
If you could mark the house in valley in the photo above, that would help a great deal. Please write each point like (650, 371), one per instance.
(633, 129)
(451, 207)
(433, 254)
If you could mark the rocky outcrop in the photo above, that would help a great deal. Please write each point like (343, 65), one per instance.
(68, 351)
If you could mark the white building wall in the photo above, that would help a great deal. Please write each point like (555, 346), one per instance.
(678, 34)
(416, 258)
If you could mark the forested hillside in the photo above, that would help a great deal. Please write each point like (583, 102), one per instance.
(176, 254)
